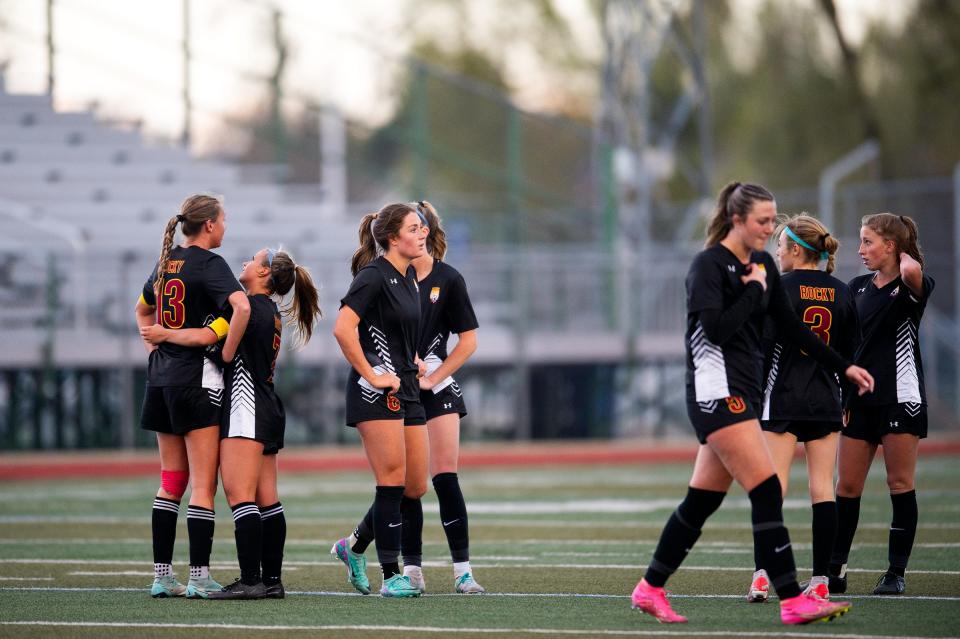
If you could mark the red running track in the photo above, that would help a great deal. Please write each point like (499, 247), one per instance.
(76, 464)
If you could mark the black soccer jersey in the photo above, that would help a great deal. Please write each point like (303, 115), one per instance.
(388, 304)
(734, 367)
(195, 291)
(254, 406)
(890, 349)
(797, 387)
(444, 308)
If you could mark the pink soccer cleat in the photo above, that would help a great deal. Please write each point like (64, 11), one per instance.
(653, 601)
(809, 608)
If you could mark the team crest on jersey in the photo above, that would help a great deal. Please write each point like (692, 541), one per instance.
(434, 294)
(736, 405)
(393, 403)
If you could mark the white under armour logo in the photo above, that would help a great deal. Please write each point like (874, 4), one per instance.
(447, 406)
(393, 280)
(894, 424)
(731, 268)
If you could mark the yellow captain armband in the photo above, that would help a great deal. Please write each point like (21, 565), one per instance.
(145, 302)
(220, 326)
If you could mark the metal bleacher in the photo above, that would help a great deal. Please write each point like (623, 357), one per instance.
(83, 204)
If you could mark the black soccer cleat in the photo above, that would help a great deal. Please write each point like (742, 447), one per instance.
(276, 591)
(240, 590)
(890, 584)
(836, 585)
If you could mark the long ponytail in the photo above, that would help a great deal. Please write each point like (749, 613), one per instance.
(168, 234)
(437, 240)
(367, 251)
(304, 309)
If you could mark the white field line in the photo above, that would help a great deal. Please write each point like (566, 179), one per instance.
(437, 629)
(123, 573)
(478, 522)
(722, 545)
(26, 578)
(438, 564)
(489, 595)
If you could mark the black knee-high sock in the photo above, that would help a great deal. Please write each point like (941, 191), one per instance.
(681, 533)
(848, 515)
(164, 524)
(771, 539)
(200, 527)
(364, 532)
(248, 531)
(411, 539)
(453, 515)
(824, 535)
(274, 537)
(387, 523)
(903, 529)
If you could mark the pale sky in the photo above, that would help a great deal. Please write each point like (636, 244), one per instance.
(126, 54)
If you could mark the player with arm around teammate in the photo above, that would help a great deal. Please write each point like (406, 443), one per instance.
(802, 400)
(253, 422)
(890, 301)
(732, 286)
(189, 289)
(445, 308)
(377, 330)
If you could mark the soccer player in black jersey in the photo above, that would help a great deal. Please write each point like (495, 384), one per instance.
(253, 422)
(802, 400)
(190, 288)
(377, 330)
(444, 308)
(890, 301)
(732, 287)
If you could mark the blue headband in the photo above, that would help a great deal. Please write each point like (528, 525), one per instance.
(270, 255)
(423, 218)
(793, 236)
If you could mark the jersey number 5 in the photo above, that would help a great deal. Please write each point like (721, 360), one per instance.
(819, 319)
(174, 314)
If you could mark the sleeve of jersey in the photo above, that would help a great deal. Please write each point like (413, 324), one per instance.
(220, 281)
(704, 284)
(460, 314)
(928, 285)
(794, 329)
(363, 291)
(146, 295)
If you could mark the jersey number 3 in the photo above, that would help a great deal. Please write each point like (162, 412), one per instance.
(819, 319)
(174, 314)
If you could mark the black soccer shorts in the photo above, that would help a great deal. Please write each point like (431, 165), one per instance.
(448, 401)
(179, 409)
(708, 417)
(871, 423)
